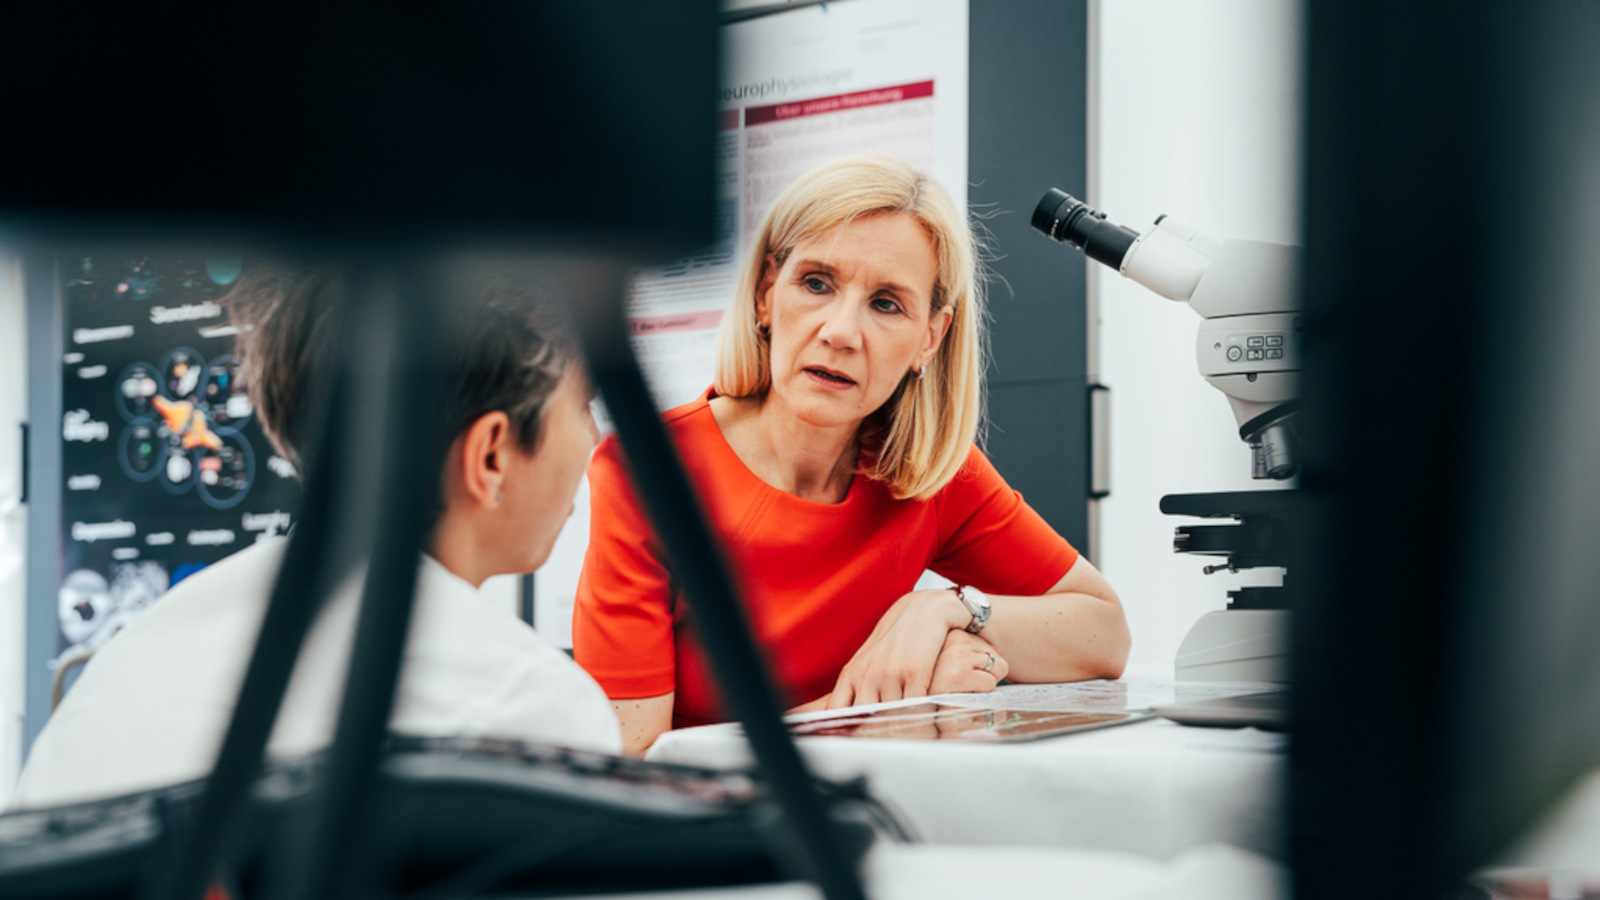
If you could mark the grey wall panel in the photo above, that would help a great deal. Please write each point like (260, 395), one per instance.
(44, 481)
(1028, 133)
(1034, 431)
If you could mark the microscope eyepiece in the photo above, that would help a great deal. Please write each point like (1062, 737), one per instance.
(1057, 213)
(1063, 217)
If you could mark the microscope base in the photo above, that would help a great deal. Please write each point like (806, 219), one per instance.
(1236, 645)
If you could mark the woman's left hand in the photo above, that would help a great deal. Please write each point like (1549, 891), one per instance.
(897, 659)
(967, 665)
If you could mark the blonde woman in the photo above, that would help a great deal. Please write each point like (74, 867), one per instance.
(835, 456)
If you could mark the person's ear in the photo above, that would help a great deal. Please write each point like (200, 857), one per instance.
(764, 288)
(484, 446)
(938, 327)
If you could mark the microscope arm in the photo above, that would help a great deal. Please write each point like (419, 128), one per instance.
(1248, 342)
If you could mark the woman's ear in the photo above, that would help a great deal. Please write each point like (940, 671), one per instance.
(769, 279)
(938, 327)
(482, 465)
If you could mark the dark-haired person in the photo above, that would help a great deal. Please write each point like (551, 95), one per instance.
(836, 456)
(150, 709)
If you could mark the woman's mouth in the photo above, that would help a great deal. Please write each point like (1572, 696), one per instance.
(829, 379)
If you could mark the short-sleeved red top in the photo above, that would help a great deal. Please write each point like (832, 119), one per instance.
(816, 577)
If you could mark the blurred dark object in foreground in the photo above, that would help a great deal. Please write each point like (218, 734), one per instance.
(1444, 678)
(575, 138)
(457, 818)
(357, 125)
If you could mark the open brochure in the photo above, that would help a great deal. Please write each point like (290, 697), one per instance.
(1014, 712)
(943, 722)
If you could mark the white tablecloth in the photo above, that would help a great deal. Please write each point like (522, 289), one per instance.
(1152, 788)
(927, 872)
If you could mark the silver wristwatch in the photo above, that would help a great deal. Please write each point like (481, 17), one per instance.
(976, 603)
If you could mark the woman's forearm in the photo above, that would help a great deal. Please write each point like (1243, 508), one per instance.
(1068, 636)
(1076, 631)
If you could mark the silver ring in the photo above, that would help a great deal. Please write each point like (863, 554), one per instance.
(989, 666)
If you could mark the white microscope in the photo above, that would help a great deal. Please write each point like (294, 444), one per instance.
(1248, 347)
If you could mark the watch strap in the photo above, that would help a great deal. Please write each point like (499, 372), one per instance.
(978, 607)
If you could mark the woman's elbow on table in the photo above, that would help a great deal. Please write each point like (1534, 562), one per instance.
(1104, 641)
(1112, 656)
(1106, 654)
(643, 719)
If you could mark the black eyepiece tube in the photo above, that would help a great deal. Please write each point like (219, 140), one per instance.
(1063, 217)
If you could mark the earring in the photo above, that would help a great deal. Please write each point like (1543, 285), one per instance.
(921, 371)
(499, 496)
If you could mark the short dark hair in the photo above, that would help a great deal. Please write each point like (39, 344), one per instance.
(508, 350)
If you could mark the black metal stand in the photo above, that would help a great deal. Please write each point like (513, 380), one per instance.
(698, 563)
(1263, 534)
(291, 608)
(389, 507)
(404, 381)
(382, 396)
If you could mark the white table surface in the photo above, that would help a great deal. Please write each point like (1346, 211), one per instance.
(1151, 788)
(930, 872)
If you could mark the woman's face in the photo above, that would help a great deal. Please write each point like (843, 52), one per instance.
(849, 313)
(539, 486)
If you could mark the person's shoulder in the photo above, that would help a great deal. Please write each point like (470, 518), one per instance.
(455, 614)
(235, 585)
(687, 424)
(976, 468)
(143, 712)
(490, 673)
(677, 420)
(977, 478)
(257, 562)
(497, 632)
(689, 415)
(693, 426)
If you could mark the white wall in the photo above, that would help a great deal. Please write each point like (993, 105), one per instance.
(1197, 116)
(13, 521)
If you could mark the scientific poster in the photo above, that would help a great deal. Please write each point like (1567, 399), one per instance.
(799, 87)
(164, 467)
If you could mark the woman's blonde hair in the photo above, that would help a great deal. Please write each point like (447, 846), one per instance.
(921, 435)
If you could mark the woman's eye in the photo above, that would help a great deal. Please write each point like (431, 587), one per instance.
(815, 285)
(884, 304)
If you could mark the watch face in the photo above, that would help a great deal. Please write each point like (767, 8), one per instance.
(976, 601)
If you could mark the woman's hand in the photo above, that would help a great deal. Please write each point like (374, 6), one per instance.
(898, 659)
(967, 665)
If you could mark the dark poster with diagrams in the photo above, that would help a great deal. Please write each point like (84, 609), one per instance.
(164, 467)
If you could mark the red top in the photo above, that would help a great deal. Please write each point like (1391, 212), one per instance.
(816, 576)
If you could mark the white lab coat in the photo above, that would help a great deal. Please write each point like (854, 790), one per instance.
(151, 707)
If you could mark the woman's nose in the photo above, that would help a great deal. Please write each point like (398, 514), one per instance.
(842, 330)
